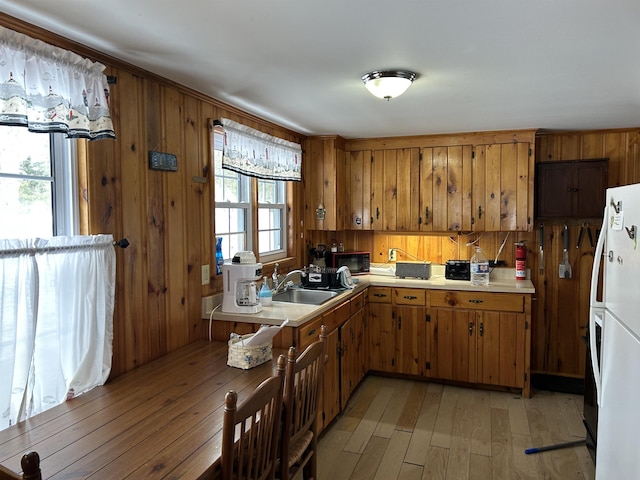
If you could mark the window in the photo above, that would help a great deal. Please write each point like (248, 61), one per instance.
(38, 179)
(235, 211)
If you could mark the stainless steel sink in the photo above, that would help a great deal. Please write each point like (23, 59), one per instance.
(309, 297)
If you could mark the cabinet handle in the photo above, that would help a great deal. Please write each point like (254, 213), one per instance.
(470, 329)
(572, 190)
(410, 297)
(475, 301)
(481, 328)
(479, 212)
(311, 332)
(380, 295)
(399, 323)
(426, 212)
(377, 213)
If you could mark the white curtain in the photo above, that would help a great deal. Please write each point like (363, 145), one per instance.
(56, 321)
(49, 89)
(251, 152)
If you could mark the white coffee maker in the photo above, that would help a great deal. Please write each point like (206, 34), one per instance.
(239, 283)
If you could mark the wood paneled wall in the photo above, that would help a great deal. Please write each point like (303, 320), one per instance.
(561, 311)
(168, 217)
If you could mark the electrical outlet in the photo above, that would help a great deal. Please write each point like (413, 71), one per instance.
(392, 254)
(207, 305)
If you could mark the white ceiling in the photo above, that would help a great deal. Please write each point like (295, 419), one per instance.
(483, 64)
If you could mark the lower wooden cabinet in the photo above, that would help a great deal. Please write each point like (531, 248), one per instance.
(480, 337)
(397, 330)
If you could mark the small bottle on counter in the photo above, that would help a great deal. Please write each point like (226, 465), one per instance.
(265, 294)
(340, 247)
(479, 268)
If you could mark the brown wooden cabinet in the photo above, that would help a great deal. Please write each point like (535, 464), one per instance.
(445, 188)
(503, 187)
(395, 198)
(571, 189)
(353, 365)
(397, 330)
(358, 194)
(324, 185)
(481, 337)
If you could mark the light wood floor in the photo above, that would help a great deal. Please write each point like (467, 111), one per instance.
(409, 430)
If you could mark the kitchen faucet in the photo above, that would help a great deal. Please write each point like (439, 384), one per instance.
(284, 282)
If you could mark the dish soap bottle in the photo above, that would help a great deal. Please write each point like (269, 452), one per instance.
(265, 293)
(219, 257)
(479, 268)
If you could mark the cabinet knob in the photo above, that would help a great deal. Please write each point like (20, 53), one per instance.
(473, 300)
(410, 297)
(470, 329)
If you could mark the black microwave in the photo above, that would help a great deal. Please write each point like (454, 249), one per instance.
(358, 262)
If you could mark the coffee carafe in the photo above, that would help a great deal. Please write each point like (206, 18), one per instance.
(239, 284)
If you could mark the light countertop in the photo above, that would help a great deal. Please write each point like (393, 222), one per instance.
(502, 280)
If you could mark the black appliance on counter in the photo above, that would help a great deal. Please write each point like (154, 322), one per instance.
(457, 270)
(590, 408)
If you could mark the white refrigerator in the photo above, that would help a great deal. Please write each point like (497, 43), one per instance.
(617, 371)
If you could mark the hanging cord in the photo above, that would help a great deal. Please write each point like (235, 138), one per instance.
(501, 247)
(475, 241)
(211, 319)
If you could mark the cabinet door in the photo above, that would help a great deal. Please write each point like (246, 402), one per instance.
(352, 356)
(331, 383)
(502, 187)
(445, 188)
(382, 331)
(324, 171)
(377, 189)
(410, 340)
(501, 350)
(408, 190)
(453, 352)
(358, 194)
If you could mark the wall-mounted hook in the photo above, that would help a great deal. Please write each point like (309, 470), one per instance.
(616, 206)
(631, 232)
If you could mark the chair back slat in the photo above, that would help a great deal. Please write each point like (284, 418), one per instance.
(302, 390)
(251, 430)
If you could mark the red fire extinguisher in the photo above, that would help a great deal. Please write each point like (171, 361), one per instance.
(521, 261)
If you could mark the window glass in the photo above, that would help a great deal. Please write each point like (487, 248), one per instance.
(37, 184)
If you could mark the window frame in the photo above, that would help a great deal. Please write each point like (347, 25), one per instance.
(252, 208)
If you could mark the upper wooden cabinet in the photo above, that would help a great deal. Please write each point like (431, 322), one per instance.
(324, 186)
(571, 189)
(503, 187)
(467, 182)
(445, 188)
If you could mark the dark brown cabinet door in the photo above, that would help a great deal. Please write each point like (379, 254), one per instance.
(571, 189)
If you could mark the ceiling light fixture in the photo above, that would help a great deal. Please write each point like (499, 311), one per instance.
(388, 83)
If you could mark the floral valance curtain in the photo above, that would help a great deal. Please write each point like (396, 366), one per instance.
(251, 152)
(49, 89)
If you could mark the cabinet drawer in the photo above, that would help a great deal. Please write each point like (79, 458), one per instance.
(407, 296)
(309, 333)
(340, 315)
(379, 295)
(503, 302)
(357, 302)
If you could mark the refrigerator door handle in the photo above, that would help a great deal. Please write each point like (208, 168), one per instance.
(596, 308)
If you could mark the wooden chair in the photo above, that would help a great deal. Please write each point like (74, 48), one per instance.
(30, 464)
(302, 391)
(253, 451)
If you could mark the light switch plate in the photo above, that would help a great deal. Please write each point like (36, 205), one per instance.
(206, 275)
